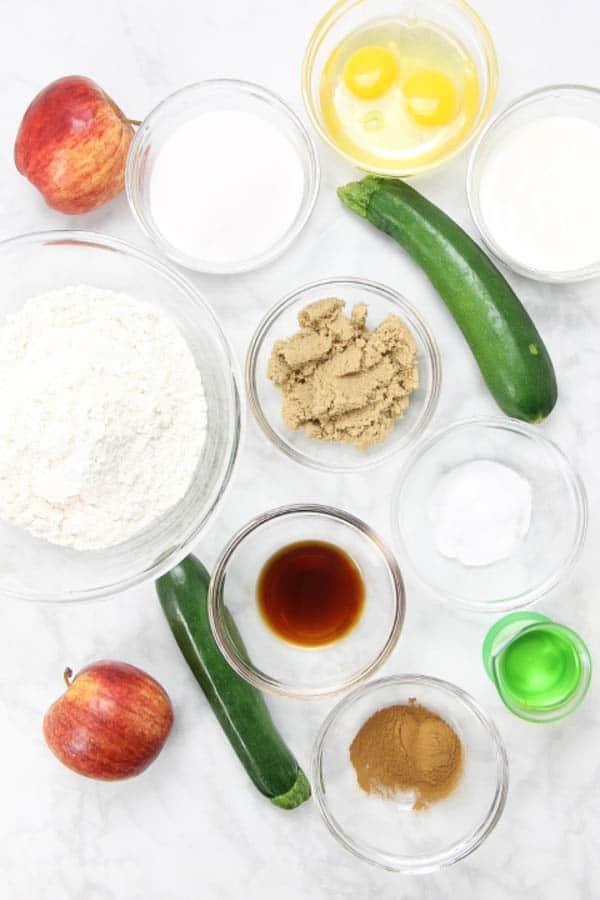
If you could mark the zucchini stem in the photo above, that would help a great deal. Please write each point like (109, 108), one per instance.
(357, 195)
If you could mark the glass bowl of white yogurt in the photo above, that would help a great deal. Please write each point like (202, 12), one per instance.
(120, 417)
(222, 175)
(489, 514)
(533, 184)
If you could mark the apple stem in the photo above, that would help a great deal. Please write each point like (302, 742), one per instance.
(134, 121)
(67, 675)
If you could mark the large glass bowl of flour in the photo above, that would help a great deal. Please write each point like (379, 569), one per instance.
(33, 568)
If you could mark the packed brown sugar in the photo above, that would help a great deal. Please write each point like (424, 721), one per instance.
(340, 381)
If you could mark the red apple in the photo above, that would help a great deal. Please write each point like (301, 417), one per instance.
(72, 145)
(110, 723)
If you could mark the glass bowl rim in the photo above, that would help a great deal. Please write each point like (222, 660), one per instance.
(389, 294)
(97, 240)
(311, 183)
(530, 596)
(246, 670)
(473, 185)
(330, 18)
(455, 852)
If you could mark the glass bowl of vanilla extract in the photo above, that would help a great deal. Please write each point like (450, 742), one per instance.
(306, 601)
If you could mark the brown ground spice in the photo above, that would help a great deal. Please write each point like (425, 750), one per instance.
(340, 381)
(407, 748)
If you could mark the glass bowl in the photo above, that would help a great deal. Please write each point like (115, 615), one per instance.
(455, 16)
(274, 665)
(556, 100)
(186, 104)
(32, 264)
(543, 556)
(266, 399)
(388, 832)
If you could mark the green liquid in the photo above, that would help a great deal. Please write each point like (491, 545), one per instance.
(540, 669)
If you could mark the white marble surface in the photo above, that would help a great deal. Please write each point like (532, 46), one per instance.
(192, 826)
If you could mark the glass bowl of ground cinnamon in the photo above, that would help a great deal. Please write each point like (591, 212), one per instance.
(409, 773)
(343, 373)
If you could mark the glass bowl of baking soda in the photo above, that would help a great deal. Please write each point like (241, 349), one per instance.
(119, 419)
(489, 514)
(409, 773)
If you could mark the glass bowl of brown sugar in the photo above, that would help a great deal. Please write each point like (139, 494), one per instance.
(409, 773)
(335, 411)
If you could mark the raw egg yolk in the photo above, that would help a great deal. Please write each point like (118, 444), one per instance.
(370, 72)
(430, 98)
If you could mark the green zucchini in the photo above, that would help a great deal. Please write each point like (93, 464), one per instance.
(239, 708)
(506, 344)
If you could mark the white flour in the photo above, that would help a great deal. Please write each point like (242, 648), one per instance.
(480, 512)
(102, 417)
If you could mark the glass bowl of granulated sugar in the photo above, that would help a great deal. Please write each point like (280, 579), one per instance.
(222, 176)
(119, 416)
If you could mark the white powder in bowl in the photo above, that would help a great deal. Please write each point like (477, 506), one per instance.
(102, 417)
(540, 194)
(480, 512)
(225, 187)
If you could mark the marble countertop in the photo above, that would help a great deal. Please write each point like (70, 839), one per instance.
(192, 826)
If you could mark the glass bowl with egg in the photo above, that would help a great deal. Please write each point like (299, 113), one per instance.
(266, 399)
(398, 87)
(489, 514)
(32, 567)
(392, 829)
(306, 601)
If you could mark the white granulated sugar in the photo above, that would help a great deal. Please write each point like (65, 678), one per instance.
(226, 186)
(480, 512)
(102, 417)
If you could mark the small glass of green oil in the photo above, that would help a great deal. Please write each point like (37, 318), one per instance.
(542, 670)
